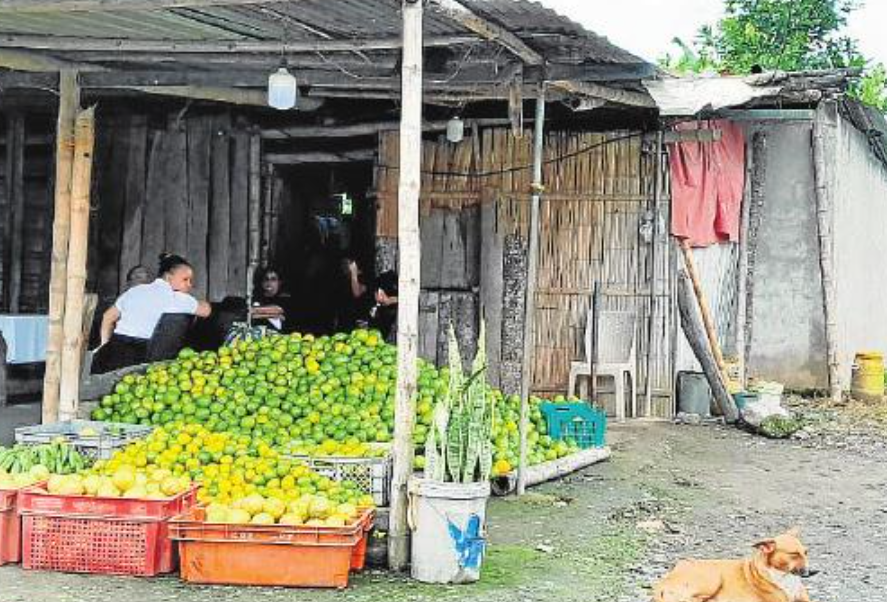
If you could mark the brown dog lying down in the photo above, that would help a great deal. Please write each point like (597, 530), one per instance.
(772, 574)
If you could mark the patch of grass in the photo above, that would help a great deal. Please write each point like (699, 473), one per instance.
(507, 566)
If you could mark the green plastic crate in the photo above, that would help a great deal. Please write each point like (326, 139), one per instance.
(576, 421)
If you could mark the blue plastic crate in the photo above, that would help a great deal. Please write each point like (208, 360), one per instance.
(575, 421)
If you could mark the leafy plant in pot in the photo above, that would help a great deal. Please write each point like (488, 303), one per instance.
(448, 504)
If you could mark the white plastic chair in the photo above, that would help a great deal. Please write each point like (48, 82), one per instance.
(616, 356)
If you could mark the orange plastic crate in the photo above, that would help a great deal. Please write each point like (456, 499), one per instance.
(10, 528)
(112, 536)
(272, 555)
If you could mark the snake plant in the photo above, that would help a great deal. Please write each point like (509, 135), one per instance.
(458, 448)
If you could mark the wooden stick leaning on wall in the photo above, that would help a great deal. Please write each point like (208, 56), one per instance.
(707, 321)
(696, 336)
(69, 103)
(72, 348)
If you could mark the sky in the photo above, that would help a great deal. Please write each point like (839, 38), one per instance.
(646, 27)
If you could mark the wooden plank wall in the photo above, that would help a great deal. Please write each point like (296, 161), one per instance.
(25, 214)
(450, 232)
(172, 185)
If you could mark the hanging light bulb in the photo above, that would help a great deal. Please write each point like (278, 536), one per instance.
(455, 129)
(282, 89)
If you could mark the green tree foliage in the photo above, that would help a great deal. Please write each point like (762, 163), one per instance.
(787, 35)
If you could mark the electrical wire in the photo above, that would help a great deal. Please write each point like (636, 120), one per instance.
(558, 159)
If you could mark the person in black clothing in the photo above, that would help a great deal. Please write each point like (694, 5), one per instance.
(271, 303)
(358, 298)
(383, 315)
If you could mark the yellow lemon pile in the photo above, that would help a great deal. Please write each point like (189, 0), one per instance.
(19, 480)
(123, 481)
(309, 510)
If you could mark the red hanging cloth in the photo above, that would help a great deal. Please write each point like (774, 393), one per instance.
(707, 183)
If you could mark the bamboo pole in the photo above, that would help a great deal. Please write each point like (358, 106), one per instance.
(554, 469)
(409, 254)
(69, 102)
(651, 317)
(530, 302)
(824, 218)
(78, 245)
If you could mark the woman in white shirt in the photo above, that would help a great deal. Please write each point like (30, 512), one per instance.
(128, 325)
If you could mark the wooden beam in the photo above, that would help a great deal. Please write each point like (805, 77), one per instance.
(624, 97)
(69, 6)
(234, 96)
(274, 47)
(69, 103)
(409, 262)
(354, 130)
(319, 157)
(24, 60)
(81, 183)
(487, 29)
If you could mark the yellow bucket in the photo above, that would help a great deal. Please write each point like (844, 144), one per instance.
(867, 383)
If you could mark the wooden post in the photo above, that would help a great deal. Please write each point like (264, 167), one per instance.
(409, 251)
(267, 211)
(742, 262)
(824, 218)
(530, 302)
(710, 331)
(69, 102)
(255, 200)
(72, 349)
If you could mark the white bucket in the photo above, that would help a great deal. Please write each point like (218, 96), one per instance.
(448, 522)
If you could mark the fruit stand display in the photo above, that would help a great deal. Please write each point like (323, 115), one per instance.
(249, 457)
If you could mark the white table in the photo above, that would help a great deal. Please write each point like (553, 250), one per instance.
(25, 336)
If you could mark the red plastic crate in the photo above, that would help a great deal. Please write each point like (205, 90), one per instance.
(10, 528)
(272, 555)
(112, 536)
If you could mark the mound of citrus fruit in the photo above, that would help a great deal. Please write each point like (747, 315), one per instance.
(319, 396)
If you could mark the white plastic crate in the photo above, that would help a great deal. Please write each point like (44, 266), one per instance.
(108, 437)
(371, 475)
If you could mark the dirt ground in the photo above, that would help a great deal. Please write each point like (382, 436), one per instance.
(605, 534)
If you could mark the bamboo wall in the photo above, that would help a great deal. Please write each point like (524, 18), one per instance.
(598, 194)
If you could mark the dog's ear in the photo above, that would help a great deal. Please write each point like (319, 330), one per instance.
(766, 546)
(794, 532)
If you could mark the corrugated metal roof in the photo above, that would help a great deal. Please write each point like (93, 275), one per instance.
(555, 36)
